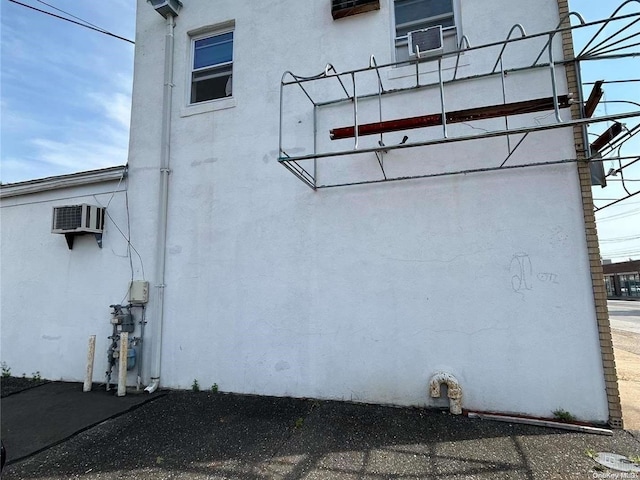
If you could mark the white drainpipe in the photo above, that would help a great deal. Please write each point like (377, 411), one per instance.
(156, 352)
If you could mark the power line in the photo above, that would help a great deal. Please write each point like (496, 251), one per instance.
(619, 239)
(85, 25)
(71, 15)
(629, 213)
(624, 237)
(622, 253)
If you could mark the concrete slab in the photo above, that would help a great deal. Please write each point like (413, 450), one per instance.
(628, 369)
(42, 416)
(194, 436)
(625, 332)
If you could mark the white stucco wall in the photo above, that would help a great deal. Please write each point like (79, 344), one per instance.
(363, 293)
(359, 293)
(54, 298)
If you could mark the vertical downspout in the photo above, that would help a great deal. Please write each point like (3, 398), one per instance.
(165, 151)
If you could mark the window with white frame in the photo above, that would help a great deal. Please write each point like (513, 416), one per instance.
(212, 67)
(413, 15)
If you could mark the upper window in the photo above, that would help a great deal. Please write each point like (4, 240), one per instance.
(212, 70)
(418, 14)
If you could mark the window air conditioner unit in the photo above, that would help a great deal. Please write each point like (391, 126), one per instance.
(344, 8)
(166, 7)
(72, 220)
(425, 42)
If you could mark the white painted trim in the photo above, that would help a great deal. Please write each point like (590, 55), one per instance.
(29, 187)
(198, 34)
(210, 106)
(457, 21)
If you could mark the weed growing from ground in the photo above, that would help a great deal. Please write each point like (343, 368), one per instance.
(563, 415)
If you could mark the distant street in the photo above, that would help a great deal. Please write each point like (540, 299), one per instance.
(625, 315)
(625, 333)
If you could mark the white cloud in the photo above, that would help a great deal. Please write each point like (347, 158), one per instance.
(66, 91)
(62, 157)
(115, 106)
(85, 153)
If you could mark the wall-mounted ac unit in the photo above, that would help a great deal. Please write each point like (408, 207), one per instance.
(344, 8)
(72, 220)
(166, 7)
(425, 42)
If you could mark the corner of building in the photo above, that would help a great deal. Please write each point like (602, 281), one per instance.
(593, 249)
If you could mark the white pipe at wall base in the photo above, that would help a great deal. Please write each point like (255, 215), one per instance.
(91, 355)
(454, 394)
(122, 364)
(153, 386)
(163, 206)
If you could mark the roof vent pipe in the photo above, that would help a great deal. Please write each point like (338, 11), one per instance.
(455, 391)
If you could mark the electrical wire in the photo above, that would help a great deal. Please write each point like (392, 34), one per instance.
(621, 214)
(124, 172)
(618, 216)
(126, 236)
(617, 205)
(619, 239)
(72, 16)
(621, 253)
(128, 241)
(85, 25)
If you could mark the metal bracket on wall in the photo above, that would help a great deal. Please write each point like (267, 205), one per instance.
(69, 237)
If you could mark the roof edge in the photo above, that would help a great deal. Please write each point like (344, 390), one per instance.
(57, 182)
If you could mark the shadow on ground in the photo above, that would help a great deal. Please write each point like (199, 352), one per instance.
(186, 435)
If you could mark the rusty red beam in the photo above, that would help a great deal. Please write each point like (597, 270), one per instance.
(594, 99)
(612, 132)
(467, 115)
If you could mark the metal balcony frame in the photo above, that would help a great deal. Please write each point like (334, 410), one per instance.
(347, 81)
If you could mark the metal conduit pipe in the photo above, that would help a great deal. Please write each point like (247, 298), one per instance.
(156, 351)
(143, 321)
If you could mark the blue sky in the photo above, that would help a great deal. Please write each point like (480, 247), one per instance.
(66, 96)
(618, 225)
(66, 90)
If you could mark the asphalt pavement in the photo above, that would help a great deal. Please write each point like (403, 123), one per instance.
(203, 435)
(624, 315)
(47, 414)
(625, 329)
(53, 430)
